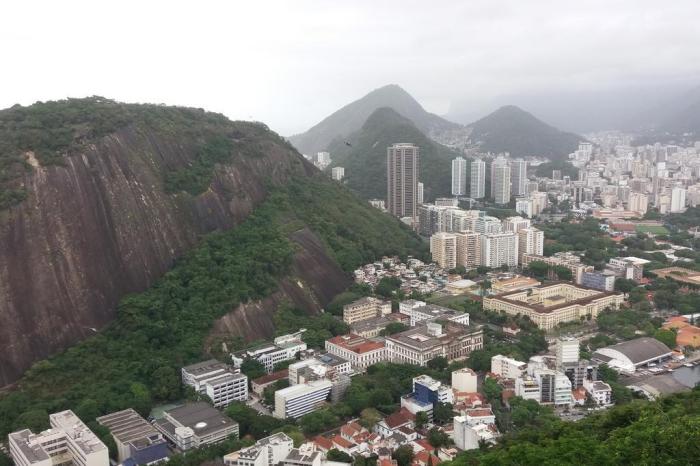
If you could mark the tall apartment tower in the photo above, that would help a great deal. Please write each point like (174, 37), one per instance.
(402, 180)
(518, 177)
(477, 187)
(530, 241)
(500, 182)
(459, 177)
(443, 248)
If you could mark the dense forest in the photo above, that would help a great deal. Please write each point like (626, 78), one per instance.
(664, 432)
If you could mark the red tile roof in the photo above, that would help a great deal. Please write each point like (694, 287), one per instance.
(273, 377)
(356, 343)
(340, 441)
(323, 443)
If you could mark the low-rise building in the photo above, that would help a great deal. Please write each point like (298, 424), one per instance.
(194, 425)
(630, 355)
(261, 383)
(427, 341)
(516, 283)
(365, 308)
(301, 399)
(549, 305)
(283, 348)
(469, 436)
(603, 281)
(136, 439)
(599, 391)
(267, 451)
(564, 259)
(371, 328)
(361, 352)
(527, 388)
(506, 367)
(418, 311)
(68, 442)
(427, 394)
(219, 382)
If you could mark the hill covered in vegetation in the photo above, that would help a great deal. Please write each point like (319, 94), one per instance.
(105, 197)
(511, 129)
(352, 117)
(365, 158)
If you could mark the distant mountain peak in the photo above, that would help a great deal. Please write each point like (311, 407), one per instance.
(354, 115)
(514, 130)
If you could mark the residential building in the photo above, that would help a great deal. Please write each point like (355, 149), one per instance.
(603, 281)
(506, 367)
(470, 436)
(530, 241)
(299, 457)
(515, 224)
(518, 177)
(195, 425)
(459, 176)
(524, 205)
(360, 351)
(638, 202)
(365, 308)
(567, 350)
(549, 305)
(599, 391)
(135, 438)
(468, 249)
(337, 173)
(500, 182)
(402, 180)
(527, 388)
(499, 249)
(446, 202)
(68, 442)
(464, 380)
(631, 268)
(268, 451)
(477, 179)
(485, 224)
(216, 380)
(283, 348)
(420, 193)
(443, 248)
(424, 342)
(678, 199)
(555, 387)
(301, 399)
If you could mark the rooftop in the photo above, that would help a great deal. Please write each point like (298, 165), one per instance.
(202, 418)
(205, 367)
(420, 337)
(127, 426)
(640, 350)
(356, 343)
(545, 305)
(74, 428)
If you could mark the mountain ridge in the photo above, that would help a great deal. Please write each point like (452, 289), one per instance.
(352, 116)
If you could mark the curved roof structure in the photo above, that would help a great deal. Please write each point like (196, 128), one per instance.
(633, 353)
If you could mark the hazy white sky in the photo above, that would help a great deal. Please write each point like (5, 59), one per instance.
(291, 63)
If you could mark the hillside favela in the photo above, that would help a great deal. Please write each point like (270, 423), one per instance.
(360, 233)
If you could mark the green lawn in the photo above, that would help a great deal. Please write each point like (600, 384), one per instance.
(652, 229)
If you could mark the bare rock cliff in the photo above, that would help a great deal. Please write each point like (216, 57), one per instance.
(100, 225)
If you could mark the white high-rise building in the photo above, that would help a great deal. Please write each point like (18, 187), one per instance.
(515, 224)
(677, 199)
(443, 248)
(638, 202)
(501, 182)
(477, 186)
(499, 249)
(530, 241)
(567, 351)
(337, 173)
(420, 192)
(518, 177)
(524, 206)
(459, 176)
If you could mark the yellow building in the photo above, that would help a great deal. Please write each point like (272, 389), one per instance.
(549, 305)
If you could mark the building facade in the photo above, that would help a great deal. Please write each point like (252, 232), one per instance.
(402, 180)
(459, 176)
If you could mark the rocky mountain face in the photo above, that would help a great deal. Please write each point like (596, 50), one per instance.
(98, 219)
(352, 117)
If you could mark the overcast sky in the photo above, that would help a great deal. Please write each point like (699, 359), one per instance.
(291, 63)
